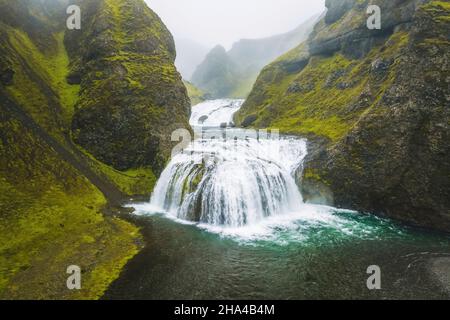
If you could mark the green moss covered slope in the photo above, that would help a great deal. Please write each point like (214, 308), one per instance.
(56, 188)
(131, 97)
(375, 101)
(195, 94)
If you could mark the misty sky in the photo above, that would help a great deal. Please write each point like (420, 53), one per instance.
(211, 22)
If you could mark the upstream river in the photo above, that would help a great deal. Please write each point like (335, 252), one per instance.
(226, 220)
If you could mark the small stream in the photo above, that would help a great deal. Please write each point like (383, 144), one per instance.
(227, 221)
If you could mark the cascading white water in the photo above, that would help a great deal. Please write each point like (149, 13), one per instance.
(230, 177)
(243, 182)
(213, 113)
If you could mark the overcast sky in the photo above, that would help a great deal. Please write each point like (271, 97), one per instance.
(211, 22)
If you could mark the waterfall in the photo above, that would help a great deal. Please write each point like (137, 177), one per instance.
(230, 177)
(215, 112)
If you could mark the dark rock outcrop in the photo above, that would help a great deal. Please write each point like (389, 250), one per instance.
(344, 28)
(336, 9)
(380, 99)
(249, 120)
(132, 97)
(6, 77)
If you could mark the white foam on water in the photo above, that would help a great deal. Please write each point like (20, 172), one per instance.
(215, 112)
(231, 182)
(280, 229)
(240, 184)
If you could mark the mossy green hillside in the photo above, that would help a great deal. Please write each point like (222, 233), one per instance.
(39, 82)
(324, 98)
(195, 94)
(374, 105)
(52, 66)
(41, 88)
(51, 207)
(132, 97)
(50, 218)
(132, 182)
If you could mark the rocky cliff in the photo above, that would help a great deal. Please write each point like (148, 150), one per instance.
(375, 105)
(132, 97)
(85, 120)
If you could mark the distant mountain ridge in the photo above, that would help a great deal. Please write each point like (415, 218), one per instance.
(232, 74)
(217, 74)
(189, 55)
(259, 52)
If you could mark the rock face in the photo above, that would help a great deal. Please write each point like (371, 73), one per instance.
(336, 9)
(232, 74)
(132, 97)
(112, 88)
(375, 105)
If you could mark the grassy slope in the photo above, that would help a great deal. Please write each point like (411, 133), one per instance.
(244, 86)
(53, 69)
(50, 215)
(360, 109)
(50, 218)
(325, 103)
(322, 103)
(195, 94)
